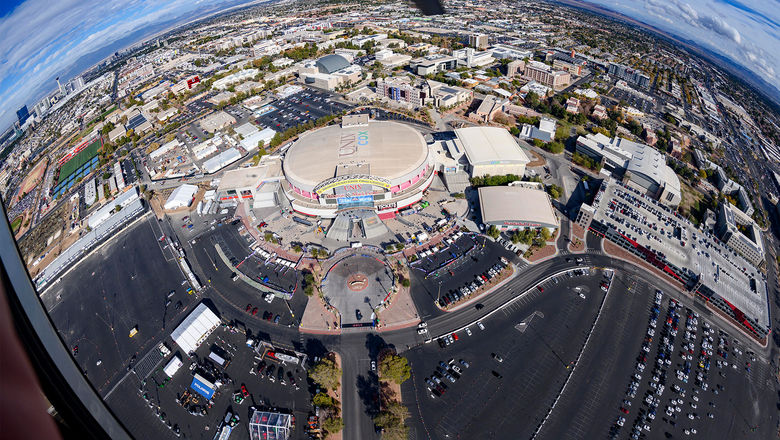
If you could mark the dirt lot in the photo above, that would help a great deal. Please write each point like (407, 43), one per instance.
(36, 242)
(32, 179)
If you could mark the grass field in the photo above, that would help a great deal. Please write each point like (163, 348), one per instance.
(16, 224)
(79, 159)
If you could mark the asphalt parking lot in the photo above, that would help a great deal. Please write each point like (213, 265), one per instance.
(606, 371)
(139, 404)
(638, 103)
(307, 105)
(239, 294)
(505, 399)
(124, 284)
(251, 264)
(426, 291)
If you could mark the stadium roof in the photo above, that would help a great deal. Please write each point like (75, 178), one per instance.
(485, 145)
(501, 204)
(331, 63)
(195, 328)
(391, 150)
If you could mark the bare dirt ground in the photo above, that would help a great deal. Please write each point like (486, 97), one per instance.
(32, 179)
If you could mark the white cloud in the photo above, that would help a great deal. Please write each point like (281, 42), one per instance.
(43, 38)
(746, 34)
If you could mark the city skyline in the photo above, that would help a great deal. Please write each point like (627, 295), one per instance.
(32, 59)
(43, 41)
(741, 32)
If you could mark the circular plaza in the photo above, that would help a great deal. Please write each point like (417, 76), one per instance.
(356, 284)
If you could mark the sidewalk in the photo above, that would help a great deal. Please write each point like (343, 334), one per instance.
(317, 318)
(401, 313)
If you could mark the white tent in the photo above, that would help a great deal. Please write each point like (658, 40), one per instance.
(173, 366)
(195, 328)
(181, 197)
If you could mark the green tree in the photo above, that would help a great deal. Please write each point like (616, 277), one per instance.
(324, 400)
(493, 231)
(333, 424)
(391, 421)
(326, 374)
(395, 368)
(554, 191)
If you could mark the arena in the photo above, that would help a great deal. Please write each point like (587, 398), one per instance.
(361, 164)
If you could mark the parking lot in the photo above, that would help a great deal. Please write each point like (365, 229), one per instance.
(150, 408)
(517, 364)
(129, 282)
(638, 341)
(238, 293)
(674, 238)
(257, 265)
(427, 290)
(300, 108)
(633, 100)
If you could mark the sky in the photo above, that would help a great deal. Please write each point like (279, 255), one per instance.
(43, 39)
(745, 31)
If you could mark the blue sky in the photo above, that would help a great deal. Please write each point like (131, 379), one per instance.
(42, 39)
(747, 31)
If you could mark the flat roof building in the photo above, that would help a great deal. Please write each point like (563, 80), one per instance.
(492, 151)
(642, 166)
(740, 233)
(216, 121)
(517, 207)
(256, 185)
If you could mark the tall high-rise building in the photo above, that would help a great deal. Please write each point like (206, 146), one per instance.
(22, 114)
(60, 87)
(478, 41)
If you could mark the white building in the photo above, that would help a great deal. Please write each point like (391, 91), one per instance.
(195, 328)
(181, 197)
(492, 151)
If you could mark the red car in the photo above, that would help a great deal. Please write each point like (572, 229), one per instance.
(244, 392)
(248, 307)
(254, 311)
(623, 410)
(541, 289)
(454, 336)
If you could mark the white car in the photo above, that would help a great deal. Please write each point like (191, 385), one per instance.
(468, 331)
(479, 324)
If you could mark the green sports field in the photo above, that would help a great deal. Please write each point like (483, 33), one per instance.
(79, 159)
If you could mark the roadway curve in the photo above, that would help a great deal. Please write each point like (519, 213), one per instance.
(356, 348)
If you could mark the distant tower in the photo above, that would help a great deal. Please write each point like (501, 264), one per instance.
(59, 86)
(572, 53)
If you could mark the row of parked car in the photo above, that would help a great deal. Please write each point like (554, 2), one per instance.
(446, 371)
(267, 370)
(456, 295)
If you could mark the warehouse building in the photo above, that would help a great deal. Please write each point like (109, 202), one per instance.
(492, 151)
(517, 207)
